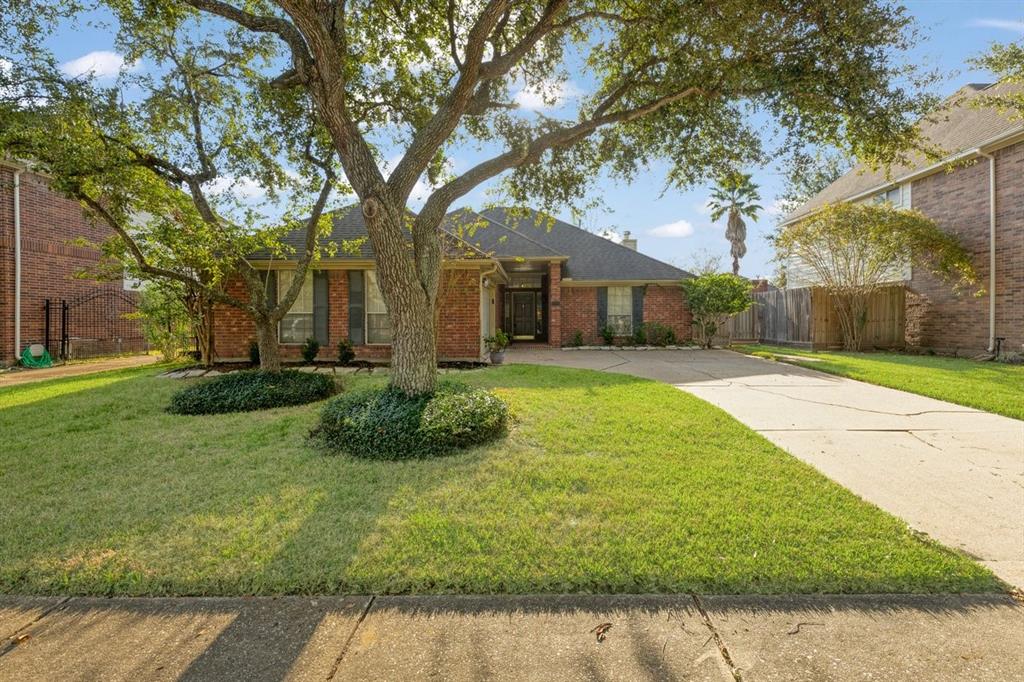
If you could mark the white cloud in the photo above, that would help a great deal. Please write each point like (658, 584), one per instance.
(680, 228)
(547, 95)
(241, 188)
(611, 235)
(1005, 24)
(101, 64)
(776, 208)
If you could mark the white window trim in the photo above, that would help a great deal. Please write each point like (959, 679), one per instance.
(366, 310)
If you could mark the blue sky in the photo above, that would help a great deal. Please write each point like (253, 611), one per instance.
(674, 226)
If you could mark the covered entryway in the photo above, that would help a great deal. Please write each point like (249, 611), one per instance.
(526, 302)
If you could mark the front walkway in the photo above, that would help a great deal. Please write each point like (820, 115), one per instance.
(28, 376)
(814, 637)
(953, 472)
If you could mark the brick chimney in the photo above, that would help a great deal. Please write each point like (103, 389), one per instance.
(628, 241)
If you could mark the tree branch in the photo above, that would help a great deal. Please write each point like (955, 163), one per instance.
(260, 23)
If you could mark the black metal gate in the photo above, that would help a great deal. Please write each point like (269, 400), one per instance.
(98, 323)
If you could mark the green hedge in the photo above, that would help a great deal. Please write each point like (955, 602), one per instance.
(385, 423)
(251, 390)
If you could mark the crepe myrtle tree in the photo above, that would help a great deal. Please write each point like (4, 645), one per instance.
(853, 250)
(169, 170)
(663, 80)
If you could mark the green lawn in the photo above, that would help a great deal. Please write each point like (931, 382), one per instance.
(990, 386)
(606, 483)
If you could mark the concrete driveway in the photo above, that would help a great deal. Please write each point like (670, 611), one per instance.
(952, 472)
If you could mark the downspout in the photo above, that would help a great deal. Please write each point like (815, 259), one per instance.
(17, 264)
(484, 275)
(991, 250)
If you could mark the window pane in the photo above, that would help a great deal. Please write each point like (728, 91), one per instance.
(297, 325)
(620, 301)
(620, 310)
(378, 323)
(622, 325)
(378, 328)
(304, 301)
(374, 299)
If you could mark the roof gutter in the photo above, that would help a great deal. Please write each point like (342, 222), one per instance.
(991, 249)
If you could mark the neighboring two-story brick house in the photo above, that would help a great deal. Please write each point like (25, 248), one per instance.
(977, 193)
(539, 279)
(41, 233)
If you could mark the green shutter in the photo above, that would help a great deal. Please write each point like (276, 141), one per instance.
(321, 310)
(638, 307)
(602, 308)
(356, 308)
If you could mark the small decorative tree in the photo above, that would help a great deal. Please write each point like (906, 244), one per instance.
(166, 321)
(713, 298)
(855, 249)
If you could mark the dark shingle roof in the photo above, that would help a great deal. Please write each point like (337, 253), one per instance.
(956, 127)
(348, 233)
(591, 257)
(506, 233)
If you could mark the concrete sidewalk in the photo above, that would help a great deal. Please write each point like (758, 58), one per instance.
(726, 639)
(29, 376)
(952, 472)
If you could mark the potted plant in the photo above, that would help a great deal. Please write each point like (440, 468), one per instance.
(496, 345)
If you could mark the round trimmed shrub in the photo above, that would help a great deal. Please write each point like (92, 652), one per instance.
(251, 390)
(385, 423)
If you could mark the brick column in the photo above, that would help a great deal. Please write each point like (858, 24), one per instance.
(555, 304)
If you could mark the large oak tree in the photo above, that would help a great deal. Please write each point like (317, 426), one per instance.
(672, 81)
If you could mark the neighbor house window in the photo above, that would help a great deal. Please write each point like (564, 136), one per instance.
(899, 197)
(620, 310)
(297, 325)
(378, 324)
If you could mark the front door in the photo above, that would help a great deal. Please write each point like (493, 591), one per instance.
(524, 309)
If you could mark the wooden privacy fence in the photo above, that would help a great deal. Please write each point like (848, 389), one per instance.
(807, 317)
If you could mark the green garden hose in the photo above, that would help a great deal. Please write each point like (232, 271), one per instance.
(29, 360)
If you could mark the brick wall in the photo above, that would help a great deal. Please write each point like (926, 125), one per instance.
(49, 222)
(458, 325)
(667, 305)
(958, 201)
(664, 304)
(579, 314)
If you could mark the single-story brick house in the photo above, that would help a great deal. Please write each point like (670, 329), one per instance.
(539, 279)
(977, 193)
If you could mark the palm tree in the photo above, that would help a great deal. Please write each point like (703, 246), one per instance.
(735, 194)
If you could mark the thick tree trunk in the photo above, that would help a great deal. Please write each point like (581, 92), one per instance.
(414, 351)
(270, 350)
(409, 289)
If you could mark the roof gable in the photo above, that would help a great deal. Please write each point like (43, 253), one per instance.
(590, 257)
